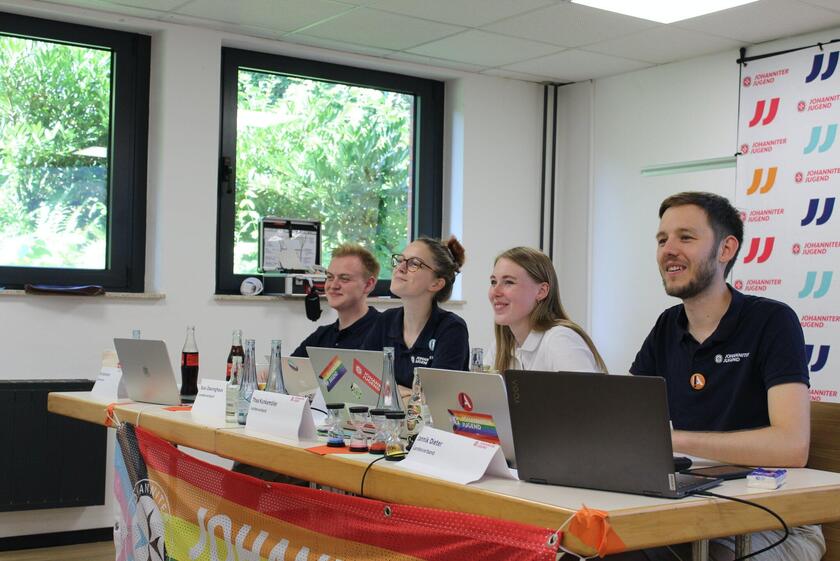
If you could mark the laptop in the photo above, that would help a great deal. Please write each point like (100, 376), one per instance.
(347, 375)
(147, 372)
(298, 376)
(470, 404)
(596, 431)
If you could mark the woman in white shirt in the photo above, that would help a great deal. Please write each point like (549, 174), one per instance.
(532, 329)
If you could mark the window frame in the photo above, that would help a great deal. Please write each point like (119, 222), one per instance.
(127, 173)
(427, 162)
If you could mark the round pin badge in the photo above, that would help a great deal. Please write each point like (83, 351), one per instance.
(697, 381)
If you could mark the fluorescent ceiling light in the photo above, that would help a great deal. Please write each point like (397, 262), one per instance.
(663, 11)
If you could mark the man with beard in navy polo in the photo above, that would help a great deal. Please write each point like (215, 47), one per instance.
(735, 365)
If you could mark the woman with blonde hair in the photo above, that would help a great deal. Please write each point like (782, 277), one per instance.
(533, 331)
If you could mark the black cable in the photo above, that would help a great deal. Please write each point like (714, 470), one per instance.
(364, 475)
(756, 505)
(744, 59)
(319, 410)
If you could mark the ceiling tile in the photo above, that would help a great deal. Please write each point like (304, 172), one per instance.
(280, 15)
(485, 49)
(576, 65)
(471, 13)
(664, 44)
(334, 45)
(570, 25)
(160, 5)
(764, 21)
(384, 30)
(439, 62)
(525, 77)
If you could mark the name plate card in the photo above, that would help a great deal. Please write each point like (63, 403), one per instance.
(108, 384)
(209, 405)
(455, 458)
(285, 416)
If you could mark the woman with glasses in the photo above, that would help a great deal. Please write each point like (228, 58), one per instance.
(421, 333)
(532, 329)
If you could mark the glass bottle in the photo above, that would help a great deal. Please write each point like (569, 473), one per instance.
(189, 366)
(275, 369)
(389, 395)
(359, 416)
(236, 354)
(394, 446)
(380, 436)
(335, 434)
(414, 407)
(248, 383)
(476, 359)
(136, 334)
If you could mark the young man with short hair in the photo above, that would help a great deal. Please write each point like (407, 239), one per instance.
(735, 364)
(351, 276)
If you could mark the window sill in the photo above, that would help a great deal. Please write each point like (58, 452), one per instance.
(277, 297)
(107, 295)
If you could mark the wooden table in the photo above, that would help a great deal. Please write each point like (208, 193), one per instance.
(808, 496)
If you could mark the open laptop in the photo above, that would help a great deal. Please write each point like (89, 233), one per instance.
(596, 431)
(347, 375)
(298, 376)
(470, 404)
(147, 372)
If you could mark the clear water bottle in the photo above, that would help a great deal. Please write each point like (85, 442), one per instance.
(275, 369)
(389, 395)
(248, 383)
(477, 359)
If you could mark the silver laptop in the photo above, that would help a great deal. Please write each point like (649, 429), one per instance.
(147, 372)
(298, 376)
(470, 404)
(347, 375)
(596, 431)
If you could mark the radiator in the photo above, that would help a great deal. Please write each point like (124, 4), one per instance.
(47, 460)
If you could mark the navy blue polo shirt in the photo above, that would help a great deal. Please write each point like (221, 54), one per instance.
(443, 343)
(330, 335)
(722, 384)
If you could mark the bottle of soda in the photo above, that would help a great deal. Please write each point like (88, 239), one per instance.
(189, 366)
(236, 354)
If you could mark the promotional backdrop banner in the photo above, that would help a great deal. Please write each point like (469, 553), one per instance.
(175, 507)
(788, 183)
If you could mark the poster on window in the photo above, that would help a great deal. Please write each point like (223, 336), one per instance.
(788, 183)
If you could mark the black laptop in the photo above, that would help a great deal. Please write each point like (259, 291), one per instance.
(596, 431)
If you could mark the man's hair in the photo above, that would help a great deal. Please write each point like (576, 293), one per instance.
(724, 218)
(369, 262)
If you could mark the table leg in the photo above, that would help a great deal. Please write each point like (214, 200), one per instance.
(700, 550)
(743, 545)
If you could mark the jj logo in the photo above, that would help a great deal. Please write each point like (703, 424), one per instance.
(816, 133)
(756, 180)
(759, 112)
(754, 246)
(813, 205)
(818, 63)
(822, 357)
(811, 280)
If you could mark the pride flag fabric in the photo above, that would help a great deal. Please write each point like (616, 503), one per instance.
(175, 507)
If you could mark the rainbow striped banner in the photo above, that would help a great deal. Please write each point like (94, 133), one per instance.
(480, 426)
(174, 507)
(333, 372)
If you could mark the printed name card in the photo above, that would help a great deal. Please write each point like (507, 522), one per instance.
(108, 384)
(209, 406)
(454, 458)
(285, 416)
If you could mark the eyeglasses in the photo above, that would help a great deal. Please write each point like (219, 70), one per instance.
(412, 264)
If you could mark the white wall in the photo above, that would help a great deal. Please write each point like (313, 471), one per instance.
(492, 186)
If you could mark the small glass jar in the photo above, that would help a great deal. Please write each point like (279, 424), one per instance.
(380, 436)
(359, 417)
(335, 430)
(394, 445)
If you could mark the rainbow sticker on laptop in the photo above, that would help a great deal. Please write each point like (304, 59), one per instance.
(333, 372)
(479, 426)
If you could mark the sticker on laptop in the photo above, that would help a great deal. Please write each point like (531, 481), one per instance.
(479, 426)
(356, 391)
(369, 378)
(333, 372)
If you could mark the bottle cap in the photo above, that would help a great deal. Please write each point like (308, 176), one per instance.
(395, 415)
(359, 409)
(335, 406)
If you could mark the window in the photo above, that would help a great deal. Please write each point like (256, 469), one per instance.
(73, 140)
(359, 150)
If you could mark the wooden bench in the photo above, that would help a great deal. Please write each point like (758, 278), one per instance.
(824, 454)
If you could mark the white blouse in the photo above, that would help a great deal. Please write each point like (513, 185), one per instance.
(558, 349)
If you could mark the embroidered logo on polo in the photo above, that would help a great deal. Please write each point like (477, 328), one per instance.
(421, 360)
(811, 281)
(731, 357)
(816, 68)
(822, 357)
